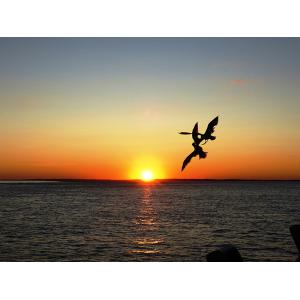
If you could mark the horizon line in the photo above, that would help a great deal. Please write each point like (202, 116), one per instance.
(140, 180)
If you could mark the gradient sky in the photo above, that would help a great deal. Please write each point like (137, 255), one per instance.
(111, 107)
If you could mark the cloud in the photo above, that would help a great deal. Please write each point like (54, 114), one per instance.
(238, 82)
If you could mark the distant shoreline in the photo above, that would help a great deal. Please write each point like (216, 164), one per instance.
(133, 180)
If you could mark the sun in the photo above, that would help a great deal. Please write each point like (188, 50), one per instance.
(147, 175)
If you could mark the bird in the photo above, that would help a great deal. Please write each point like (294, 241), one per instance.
(196, 144)
(207, 135)
(197, 151)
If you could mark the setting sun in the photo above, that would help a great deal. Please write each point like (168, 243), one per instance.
(147, 175)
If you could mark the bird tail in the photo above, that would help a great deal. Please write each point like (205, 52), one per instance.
(202, 154)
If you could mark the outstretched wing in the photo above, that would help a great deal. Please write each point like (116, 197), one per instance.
(211, 126)
(195, 133)
(188, 159)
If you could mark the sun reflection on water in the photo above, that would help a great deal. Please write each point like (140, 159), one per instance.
(148, 241)
(147, 226)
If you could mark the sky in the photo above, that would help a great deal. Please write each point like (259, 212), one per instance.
(109, 108)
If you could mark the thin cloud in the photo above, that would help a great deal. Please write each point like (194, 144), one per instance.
(238, 82)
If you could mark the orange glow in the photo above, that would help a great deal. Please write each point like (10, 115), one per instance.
(99, 109)
(146, 168)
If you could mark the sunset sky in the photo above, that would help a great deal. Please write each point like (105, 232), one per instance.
(109, 108)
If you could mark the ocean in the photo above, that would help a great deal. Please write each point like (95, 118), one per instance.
(168, 220)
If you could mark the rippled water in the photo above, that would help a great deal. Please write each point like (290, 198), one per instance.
(129, 221)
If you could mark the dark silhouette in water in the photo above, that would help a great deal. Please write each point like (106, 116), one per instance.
(226, 253)
(229, 253)
(206, 136)
(295, 232)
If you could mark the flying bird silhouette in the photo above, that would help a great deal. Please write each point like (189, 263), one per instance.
(197, 151)
(207, 135)
(195, 135)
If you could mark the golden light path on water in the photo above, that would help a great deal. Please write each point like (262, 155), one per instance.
(147, 224)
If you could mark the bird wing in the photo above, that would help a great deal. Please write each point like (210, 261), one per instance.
(195, 133)
(188, 159)
(211, 126)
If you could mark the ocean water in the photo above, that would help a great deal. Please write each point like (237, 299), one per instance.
(133, 221)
